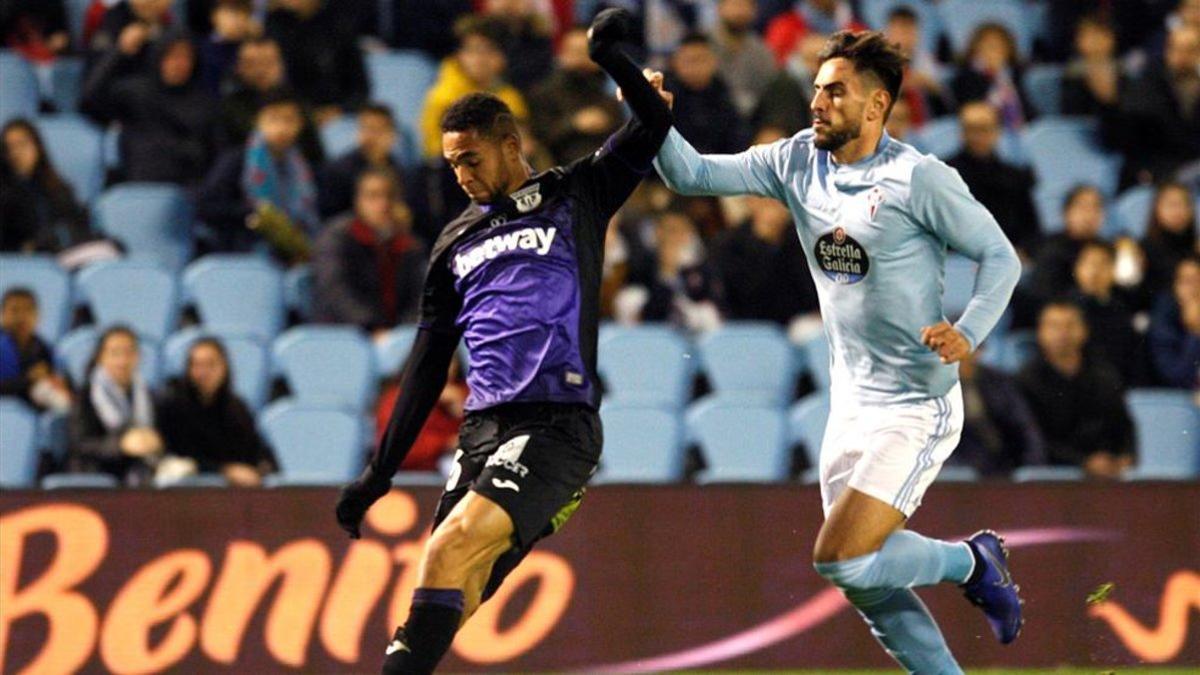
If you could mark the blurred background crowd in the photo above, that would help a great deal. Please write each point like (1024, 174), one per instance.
(165, 161)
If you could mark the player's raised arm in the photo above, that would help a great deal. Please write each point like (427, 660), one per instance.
(421, 385)
(942, 202)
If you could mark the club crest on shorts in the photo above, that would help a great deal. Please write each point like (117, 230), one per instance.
(528, 198)
(841, 258)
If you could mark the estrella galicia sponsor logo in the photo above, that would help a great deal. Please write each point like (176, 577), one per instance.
(536, 239)
(841, 258)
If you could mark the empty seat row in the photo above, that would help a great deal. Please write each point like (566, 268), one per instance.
(238, 294)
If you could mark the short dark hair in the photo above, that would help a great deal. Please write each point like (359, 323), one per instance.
(1077, 191)
(487, 27)
(1063, 302)
(382, 172)
(1107, 247)
(482, 113)
(695, 38)
(904, 13)
(870, 52)
(279, 96)
(375, 108)
(246, 6)
(18, 292)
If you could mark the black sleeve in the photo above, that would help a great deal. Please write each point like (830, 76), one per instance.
(219, 200)
(614, 171)
(421, 386)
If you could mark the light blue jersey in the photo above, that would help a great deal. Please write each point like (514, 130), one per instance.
(875, 234)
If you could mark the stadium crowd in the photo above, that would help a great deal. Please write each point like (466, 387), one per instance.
(231, 101)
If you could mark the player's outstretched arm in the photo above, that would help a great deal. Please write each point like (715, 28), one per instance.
(942, 202)
(638, 142)
(421, 385)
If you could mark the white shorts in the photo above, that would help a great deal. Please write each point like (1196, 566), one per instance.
(890, 452)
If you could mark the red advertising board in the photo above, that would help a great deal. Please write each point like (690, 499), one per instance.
(642, 579)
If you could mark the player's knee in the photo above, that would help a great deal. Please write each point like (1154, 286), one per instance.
(853, 574)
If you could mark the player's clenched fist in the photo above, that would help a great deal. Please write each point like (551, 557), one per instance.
(608, 29)
(944, 339)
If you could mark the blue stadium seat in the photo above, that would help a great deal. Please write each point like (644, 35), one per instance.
(1064, 152)
(741, 443)
(330, 366)
(942, 137)
(143, 296)
(392, 350)
(53, 433)
(749, 362)
(816, 360)
(196, 480)
(76, 13)
(18, 443)
(400, 80)
(236, 294)
(314, 445)
(49, 282)
(21, 92)
(1167, 423)
(641, 444)
(875, 14)
(67, 83)
(76, 147)
(649, 365)
(250, 362)
(1130, 212)
(298, 291)
(79, 481)
(961, 17)
(955, 473)
(959, 283)
(75, 349)
(1035, 474)
(807, 421)
(152, 220)
(1043, 88)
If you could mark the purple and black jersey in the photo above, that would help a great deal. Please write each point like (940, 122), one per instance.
(520, 280)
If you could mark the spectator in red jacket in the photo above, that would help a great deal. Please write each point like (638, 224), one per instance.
(821, 16)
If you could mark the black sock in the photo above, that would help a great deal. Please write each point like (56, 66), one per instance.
(426, 636)
(977, 570)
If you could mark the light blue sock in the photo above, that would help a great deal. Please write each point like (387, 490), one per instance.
(906, 560)
(901, 623)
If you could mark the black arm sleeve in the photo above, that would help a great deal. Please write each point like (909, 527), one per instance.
(421, 385)
(614, 171)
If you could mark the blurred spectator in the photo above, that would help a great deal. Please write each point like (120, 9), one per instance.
(1054, 261)
(439, 436)
(704, 112)
(424, 25)
(112, 422)
(991, 72)
(809, 16)
(1093, 78)
(573, 110)
(528, 50)
(377, 137)
(785, 103)
(324, 63)
(678, 287)
(999, 432)
(921, 88)
(38, 210)
(1109, 318)
(1005, 189)
(478, 65)
(369, 268)
(1155, 120)
(130, 29)
(1170, 237)
(260, 71)
(168, 122)
(761, 266)
(232, 24)
(899, 122)
(266, 190)
(202, 419)
(27, 361)
(1077, 402)
(744, 62)
(1174, 334)
(616, 267)
(35, 29)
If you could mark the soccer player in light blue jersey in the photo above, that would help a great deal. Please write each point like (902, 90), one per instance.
(876, 218)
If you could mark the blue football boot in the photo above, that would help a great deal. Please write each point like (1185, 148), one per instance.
(991, 587)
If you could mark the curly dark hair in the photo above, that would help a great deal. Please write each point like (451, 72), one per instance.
(482, 113)
(871, 53)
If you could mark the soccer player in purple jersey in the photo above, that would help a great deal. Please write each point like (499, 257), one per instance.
(517, 276)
